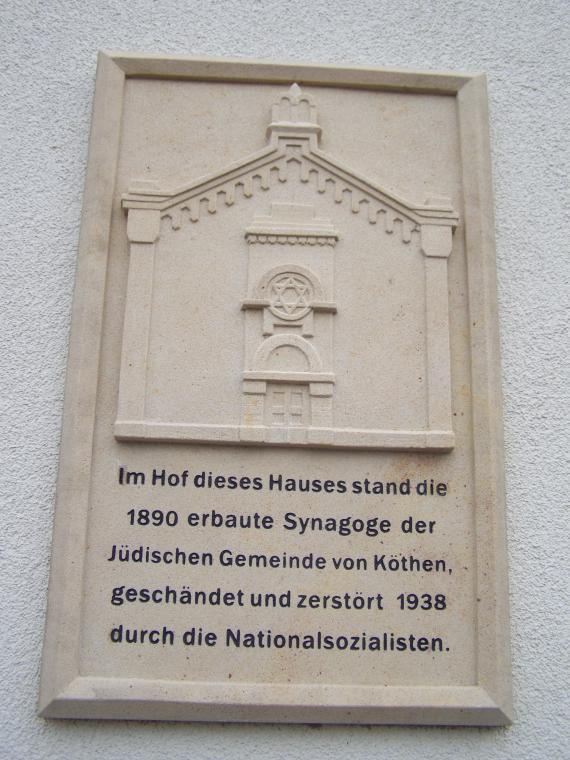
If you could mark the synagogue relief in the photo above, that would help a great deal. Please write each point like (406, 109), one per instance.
(287, 301)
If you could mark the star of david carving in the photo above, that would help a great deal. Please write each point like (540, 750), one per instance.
(291, 295)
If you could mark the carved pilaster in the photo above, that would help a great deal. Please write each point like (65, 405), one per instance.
(436, 247)
(143, 227)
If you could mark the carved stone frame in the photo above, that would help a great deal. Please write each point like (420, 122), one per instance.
(65, 692)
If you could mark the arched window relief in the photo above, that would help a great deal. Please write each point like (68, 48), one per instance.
(266, 353)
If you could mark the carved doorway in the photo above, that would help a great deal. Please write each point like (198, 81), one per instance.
(287, 405)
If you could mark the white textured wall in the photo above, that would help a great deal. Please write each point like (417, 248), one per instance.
(47, 72)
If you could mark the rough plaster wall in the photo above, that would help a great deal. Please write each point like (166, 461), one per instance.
(48, 50)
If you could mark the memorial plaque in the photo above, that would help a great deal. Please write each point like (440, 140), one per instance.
(281, 489)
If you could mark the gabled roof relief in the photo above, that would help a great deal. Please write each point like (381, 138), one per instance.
(293, 136)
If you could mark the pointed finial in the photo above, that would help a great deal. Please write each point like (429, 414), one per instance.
(295, 91)
(294, 111)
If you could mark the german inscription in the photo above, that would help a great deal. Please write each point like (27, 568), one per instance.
(316, 529)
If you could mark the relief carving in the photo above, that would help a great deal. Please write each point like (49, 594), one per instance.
(286, 376)
(293, 235)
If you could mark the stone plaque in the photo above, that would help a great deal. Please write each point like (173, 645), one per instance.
(281, 490)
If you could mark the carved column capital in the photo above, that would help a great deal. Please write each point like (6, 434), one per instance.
(436, 240)
(143, 225)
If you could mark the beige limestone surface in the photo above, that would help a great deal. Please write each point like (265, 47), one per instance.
(280, 491)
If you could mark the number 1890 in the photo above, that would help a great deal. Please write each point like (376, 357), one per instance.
(154, 517)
